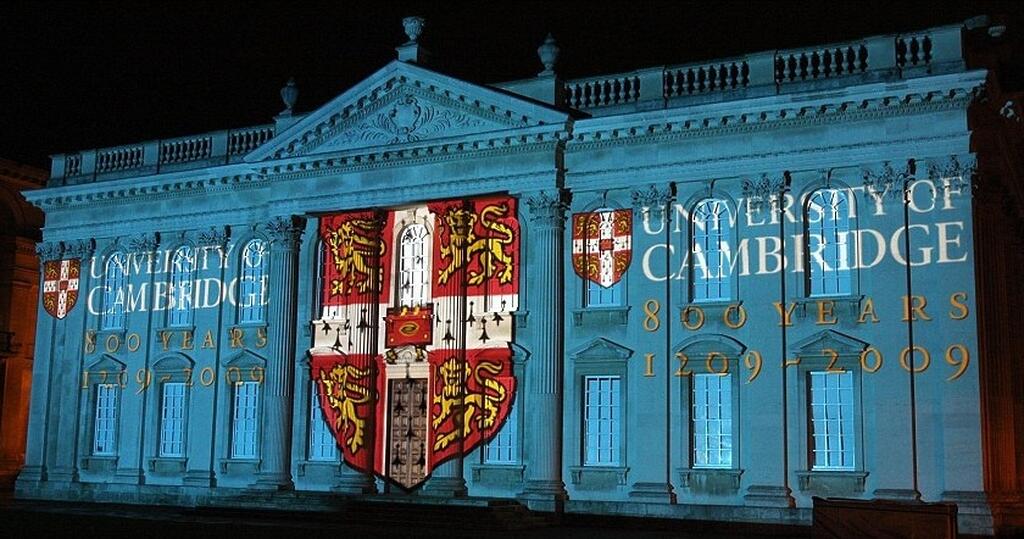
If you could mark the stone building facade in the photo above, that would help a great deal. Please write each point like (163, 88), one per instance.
(696, 291)
(20, 225)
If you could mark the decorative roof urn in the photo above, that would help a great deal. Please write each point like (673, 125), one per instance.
(413, 27)
(548, 53)
(289, 93)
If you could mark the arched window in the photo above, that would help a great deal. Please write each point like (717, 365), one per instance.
(183, 266)
(252, 283)
(114, 291)
(413, 276)
(828, 243)
(709, 254)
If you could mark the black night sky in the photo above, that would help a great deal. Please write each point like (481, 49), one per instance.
(80, 75)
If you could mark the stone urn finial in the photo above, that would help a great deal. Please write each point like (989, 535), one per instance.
(289, 93)
(548, 53)
(413, 27)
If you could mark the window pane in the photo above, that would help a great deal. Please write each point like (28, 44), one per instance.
(710, 256)
(180, 289)
(244, 420)
(502, 449)
(828, 243)
(105, 425)
(413, 274)
(172, 420)
(114, 291)
(322, 445)
(712, 435)
(602, 426)
(832, 432)
(252, 283)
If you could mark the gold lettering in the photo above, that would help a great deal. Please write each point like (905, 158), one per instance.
(90, 342)
(868, 310)
(165, 339)
(962, 362)
(236, 338)
(186, 340)
(143, 377)
(904, 362)
(786, 315)
(137, 340)
(833, 357)
(204, 380)
(85, 379)
(683, 360)
(741, 314)
(913, 308)
(187, 371)
(112, 343)
(208, 341)
(261, 337)
(685, 317)
(257, 374)
(753, 361)
(826, 312)
(651, 321)
(864, 359)
(959, 311)
(710, 363)
(649, 365)
(238, 376)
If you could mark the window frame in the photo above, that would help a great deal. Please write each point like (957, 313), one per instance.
(115, 395)
(234, 452)
(812, 465)
(618, 423)
(729, 236)
(182, 421)
(264, 274)
(316, 414)
(507, 438)
(189, 316)
(425, 271)
(813, 275)
(110, 318)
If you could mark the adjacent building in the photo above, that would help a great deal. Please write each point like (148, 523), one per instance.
(711, 290)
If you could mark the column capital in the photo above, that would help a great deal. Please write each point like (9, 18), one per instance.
(767, 187)
(548, 206)
(49, 250)
(215, 235)
(80, 248)
(959, 170)
(144, 242)
(285, 230)
(653, 196)
(883, 180)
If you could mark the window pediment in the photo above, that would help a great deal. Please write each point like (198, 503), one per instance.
(601, 349)
(813, 345)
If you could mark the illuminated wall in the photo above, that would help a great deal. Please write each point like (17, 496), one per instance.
(702, 305)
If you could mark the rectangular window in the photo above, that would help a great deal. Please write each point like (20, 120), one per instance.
(832, 434)
(321, 442)
(599, 296)
(502, 449)
(172, 420)
(244, 422)
(602, 421)
(105, 427)
(712, 420)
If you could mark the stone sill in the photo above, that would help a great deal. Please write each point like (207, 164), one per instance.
(598, 476)
(99, 463)
(832, 482)
(497, 474)
(240, 466)
(604, 316)
(710, 480)
(305, 466)
(168, 465)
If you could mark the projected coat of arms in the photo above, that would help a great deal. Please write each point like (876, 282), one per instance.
(60, 286)
(602, 245)
(412, 354)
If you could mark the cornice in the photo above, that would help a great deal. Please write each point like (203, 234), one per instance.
(699, 126)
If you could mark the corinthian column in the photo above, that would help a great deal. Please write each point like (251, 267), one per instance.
(275, 470)
(544, 487)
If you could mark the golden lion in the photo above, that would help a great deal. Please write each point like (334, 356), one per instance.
(339, 385)
(490, 250)
(480, 408)
(356, 256)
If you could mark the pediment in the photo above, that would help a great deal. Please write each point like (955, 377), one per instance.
(601, 349)
(405, 104)
(699, 345)
(814, 344)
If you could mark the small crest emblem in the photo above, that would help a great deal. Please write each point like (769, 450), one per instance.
(602, 245)
(60, 286)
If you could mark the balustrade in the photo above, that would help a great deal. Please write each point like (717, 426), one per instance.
(821, 63)
(698, 79)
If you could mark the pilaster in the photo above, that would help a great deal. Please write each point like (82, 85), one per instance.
(284, 233)
(544, 486)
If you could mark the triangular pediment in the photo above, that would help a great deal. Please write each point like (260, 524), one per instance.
(402, 105)
(601, 349)
(816, 343)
